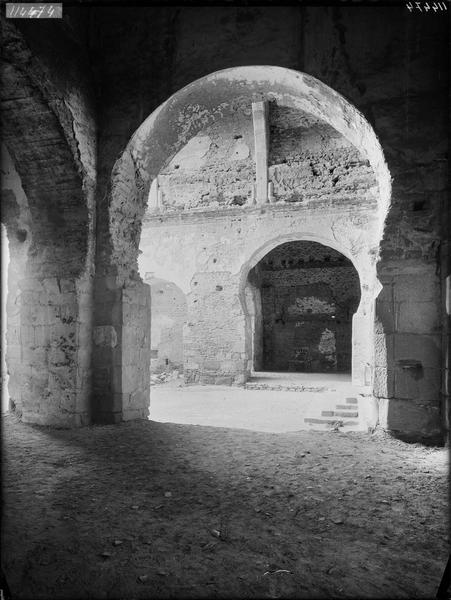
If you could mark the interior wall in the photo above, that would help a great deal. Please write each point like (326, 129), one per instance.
(209, 260)
(168, 317)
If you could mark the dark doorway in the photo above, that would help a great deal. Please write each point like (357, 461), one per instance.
(308, 294)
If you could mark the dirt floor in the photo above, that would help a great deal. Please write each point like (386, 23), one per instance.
(150, 510)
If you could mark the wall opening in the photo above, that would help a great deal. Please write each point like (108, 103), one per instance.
(304, 295)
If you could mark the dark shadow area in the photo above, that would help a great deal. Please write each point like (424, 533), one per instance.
(144, 509)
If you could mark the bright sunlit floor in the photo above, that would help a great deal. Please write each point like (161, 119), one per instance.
(315, 401)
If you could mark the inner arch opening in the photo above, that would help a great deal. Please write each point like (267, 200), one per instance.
(301, 298)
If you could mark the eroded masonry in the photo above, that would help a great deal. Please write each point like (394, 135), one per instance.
(167, 207)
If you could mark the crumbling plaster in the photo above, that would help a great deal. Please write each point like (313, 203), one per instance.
(220, 251)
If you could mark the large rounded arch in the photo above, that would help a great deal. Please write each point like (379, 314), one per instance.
(163, 134)
(175, 122)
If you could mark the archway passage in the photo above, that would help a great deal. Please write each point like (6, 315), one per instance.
(222, 169)
(303, 297)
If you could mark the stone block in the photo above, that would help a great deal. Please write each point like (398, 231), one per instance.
(413, 381)
(39, 379)
(105, 335)
(130, 336)
(412, 418)
(135, 414)
(224, 380)
(423, 348)
(28, 299)
(421, 287)
(240, 378)
(383, 349)
(27, 335)
(67, 285)
(58, 331)
(227, 366)
(211, 365)
(56, 356)
(62, 378)
(51, 286)
(13, 352)
(384, 381)
(36, 356)
(130, 374)
(139, 400)
(30, 283)
(418, 317)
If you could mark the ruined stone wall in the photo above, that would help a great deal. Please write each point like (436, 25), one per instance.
(168, 317)
(214, 170)
(308, 162)
(209, 256)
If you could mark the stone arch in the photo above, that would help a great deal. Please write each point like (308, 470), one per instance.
(196, 105)
(362, 319)
(171, 126)
(48, 184)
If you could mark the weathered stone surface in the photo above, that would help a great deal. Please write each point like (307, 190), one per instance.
(347, 169)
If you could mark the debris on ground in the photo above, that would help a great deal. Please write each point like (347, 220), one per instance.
(284, 388)
(318, 521)
(165, 377)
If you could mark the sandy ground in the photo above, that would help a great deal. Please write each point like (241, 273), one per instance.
(153, 510)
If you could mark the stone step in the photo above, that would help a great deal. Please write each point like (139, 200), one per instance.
(348, 413)
(351, 401)
(339, 413)
(329, 421)
(345, 407)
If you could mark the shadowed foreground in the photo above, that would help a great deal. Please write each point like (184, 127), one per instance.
(148, 510)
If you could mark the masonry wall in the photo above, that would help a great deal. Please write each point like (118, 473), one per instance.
(309, 162)
(208, 256)
(215, 169)
(168, 318)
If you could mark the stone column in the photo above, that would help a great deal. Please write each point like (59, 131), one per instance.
(121, 353)
(261, 139)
